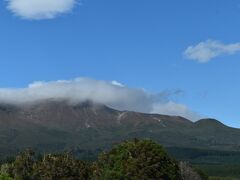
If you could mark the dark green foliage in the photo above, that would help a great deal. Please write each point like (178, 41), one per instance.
(5, 177)
(212, 162)
(224, 170)
(22, 167)
(201, 173)
(204, 155)
(131, 160)
(60, 166)
(138, 159)
(28, 166)
(221, 178)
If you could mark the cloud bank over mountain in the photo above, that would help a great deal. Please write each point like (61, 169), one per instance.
(113, 94)
(40, 9)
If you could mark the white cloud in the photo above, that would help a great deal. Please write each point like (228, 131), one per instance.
(40, 9)
(109, 93)
(207, 50)
(172, 108)
(116, 83)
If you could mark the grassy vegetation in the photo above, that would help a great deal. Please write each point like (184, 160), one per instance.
(221, 170)
(214, 163)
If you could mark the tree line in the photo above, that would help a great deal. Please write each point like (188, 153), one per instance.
(130, 160)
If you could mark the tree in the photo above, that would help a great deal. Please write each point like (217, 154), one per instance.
(60, 166)
(22, 167)
(134, 160)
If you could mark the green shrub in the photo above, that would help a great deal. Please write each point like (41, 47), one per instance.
(22, 167)
(60, 166)
(138, 159)
(5, 177)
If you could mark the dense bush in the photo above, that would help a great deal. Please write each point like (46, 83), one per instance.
(60, 166)
(5, 177)
(51, 166)
(136, 160)
(131, 160)
(22, 167)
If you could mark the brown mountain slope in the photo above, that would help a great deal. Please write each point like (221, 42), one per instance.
(56, 125)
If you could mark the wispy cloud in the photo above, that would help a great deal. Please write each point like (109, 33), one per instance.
(172, 108)
(40, 9)
(117, 83)
(207, 50)
(113, 94)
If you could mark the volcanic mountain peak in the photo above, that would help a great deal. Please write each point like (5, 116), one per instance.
(209, 123)
(63, 114)
(60, 123)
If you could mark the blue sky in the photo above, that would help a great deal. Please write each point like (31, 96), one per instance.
(138, 43)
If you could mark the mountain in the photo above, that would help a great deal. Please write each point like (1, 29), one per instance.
(53, 125)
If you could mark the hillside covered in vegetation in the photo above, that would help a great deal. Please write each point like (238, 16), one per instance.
(137, 159)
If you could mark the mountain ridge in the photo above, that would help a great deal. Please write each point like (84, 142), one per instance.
(58, 125)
